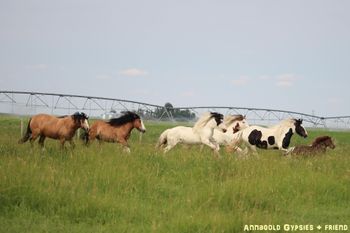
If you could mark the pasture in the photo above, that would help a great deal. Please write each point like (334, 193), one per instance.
(102, 189)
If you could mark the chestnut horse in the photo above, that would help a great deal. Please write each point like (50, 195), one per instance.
(116, 129)
(62, 128)
(319, 145)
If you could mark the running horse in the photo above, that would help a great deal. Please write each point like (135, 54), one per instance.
(62, 128)
(116, 129)
(201, 133)
(275, 137)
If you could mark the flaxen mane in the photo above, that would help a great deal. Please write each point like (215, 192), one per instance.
(126, 118)
(228, 120)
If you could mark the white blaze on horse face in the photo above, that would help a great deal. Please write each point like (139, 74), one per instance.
(143, 128)
(86, 124)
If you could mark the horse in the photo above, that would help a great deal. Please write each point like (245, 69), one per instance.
(318, 146)
(201, 133)
(234, 122)
(116, 129)
(62, 128)
(275, 137)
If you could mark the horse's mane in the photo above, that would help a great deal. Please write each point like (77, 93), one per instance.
(229, 119)
(285, 122)
(125, 118)
(62, 116)
(320, 139)
(202, 121)
(76, 114)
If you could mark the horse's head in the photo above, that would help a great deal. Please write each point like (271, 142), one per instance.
(238, 123)
(299, 129)
(138, 123)
(324, 141)
(330, 143)
(81, 120)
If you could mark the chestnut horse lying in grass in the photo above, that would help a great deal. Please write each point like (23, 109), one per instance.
(318, 146)
(62, 128)
(115, 130)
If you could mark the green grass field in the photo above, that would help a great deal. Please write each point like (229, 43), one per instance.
(100, 189)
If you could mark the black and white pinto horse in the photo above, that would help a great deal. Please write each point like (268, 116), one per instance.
(275, 137)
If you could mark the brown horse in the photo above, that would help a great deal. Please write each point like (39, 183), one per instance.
(318, 146)
(116, 129)
(62, 128)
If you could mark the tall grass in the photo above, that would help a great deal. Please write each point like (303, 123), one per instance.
(101, 189)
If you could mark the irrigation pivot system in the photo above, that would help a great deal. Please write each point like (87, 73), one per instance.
(30, 103)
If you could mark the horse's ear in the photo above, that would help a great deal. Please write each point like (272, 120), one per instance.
(83, 114)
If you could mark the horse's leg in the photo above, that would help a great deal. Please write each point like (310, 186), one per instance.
(233, 149)
(32, 139)
(216, 151)
(41, 142)
(125, 144)
(253, 151)
(170, 145)
(72, 144)
(213, 146)
(91, 136)
(62, 141)
(234, 145)
(212, 140)
(210, 144)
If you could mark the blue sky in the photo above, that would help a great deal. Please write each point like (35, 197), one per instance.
(291, 55)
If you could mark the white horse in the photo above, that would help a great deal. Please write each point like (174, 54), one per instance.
(275, 137)
(201, 133)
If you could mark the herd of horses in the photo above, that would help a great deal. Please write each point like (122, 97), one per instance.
(212, 129)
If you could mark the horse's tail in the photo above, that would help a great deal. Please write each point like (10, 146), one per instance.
(27, 134)
(163, 139)
(85, 136)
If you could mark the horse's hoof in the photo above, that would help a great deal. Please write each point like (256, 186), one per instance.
(127, 150)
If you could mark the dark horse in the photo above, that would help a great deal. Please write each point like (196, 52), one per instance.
(318, 146)
(62, 128)
(116, 129)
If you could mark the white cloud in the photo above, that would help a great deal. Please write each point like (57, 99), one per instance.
(241, 81)
(133, 72)
(286, 80)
